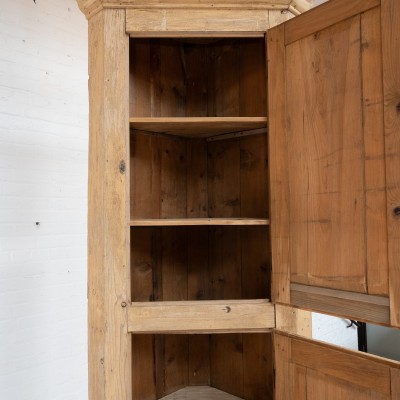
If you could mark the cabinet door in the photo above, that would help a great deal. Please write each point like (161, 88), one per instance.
(334, 131)
(308, 370)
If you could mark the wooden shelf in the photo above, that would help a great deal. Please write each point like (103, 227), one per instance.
(200, 393)
(199, 222)
(199, 127)
(206, 316)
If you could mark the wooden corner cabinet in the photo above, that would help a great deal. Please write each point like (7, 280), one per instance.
(244, 170)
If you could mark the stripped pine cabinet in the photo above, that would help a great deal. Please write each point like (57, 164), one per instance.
(237, 155)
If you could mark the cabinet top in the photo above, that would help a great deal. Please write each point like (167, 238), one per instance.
(91, 7)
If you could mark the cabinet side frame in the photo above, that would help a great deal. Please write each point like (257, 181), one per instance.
(278, 163)
(108, 231)
(390, 15)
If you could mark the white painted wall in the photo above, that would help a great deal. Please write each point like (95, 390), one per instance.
(43, 178)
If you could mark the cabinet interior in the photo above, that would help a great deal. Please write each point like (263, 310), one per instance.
(205, 170)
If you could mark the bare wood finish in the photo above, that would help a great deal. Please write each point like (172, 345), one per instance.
(328, 14)
(213, 22)
(198, 127)
(278, 161)
(374, 153)
(282, 354)
(353, 305)
(196, 78)
(199, 222)
(326, 160)
(353, 369)
(156, 23)
(91, 7)
(201, 317)
(293, 320)
(200, 393)
(108, 286)
(391, 80)
(308, 370)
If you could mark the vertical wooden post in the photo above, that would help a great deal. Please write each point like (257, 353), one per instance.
(391, 84)
(278, 163)
(108, 236)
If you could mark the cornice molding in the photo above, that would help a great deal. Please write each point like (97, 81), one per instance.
(92, 7)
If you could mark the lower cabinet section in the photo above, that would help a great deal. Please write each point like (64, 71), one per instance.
(212, 367)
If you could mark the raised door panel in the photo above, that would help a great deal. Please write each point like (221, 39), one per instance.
(308, 370)
(329, 210)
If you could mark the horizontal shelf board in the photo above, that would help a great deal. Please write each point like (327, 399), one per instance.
(199, 127)
(199, 222)
(200, 393)
(209, 316)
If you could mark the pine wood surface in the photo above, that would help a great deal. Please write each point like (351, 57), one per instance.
(200, 393)
(374, 151)
(91, 7)
(199, 222)
(311, 370)
(200, 127)
(278, 162)
(326, 159)
(293, 320)
(108, 236)
(198, 78)
(212, 22)
(357, 306)
(328, 14)
(201, 316)
(391, 82)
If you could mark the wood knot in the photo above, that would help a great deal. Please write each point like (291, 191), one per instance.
(396, 212)
(122, 167)
(227, 309)
(123, 304)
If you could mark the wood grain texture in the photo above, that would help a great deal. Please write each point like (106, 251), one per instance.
(374, 153)
(350, 368)
(293, 320)
(347, 304)
(91, 7)
(391, 80)
(156, 23)
(326, 15)
(258, 368)
(143, 376)
(199, 222)
(311, 370)
(278, 164)
(108, 288)
(201, 316)
(282, 356)
(326, 160)
(196, 78)
(200, 393)
(320, 386)
(96, 237)
(395, 382)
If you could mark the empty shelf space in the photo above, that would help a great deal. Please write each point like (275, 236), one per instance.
(200, 393)
(208, 316)
(199, 222)
(199, 127)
